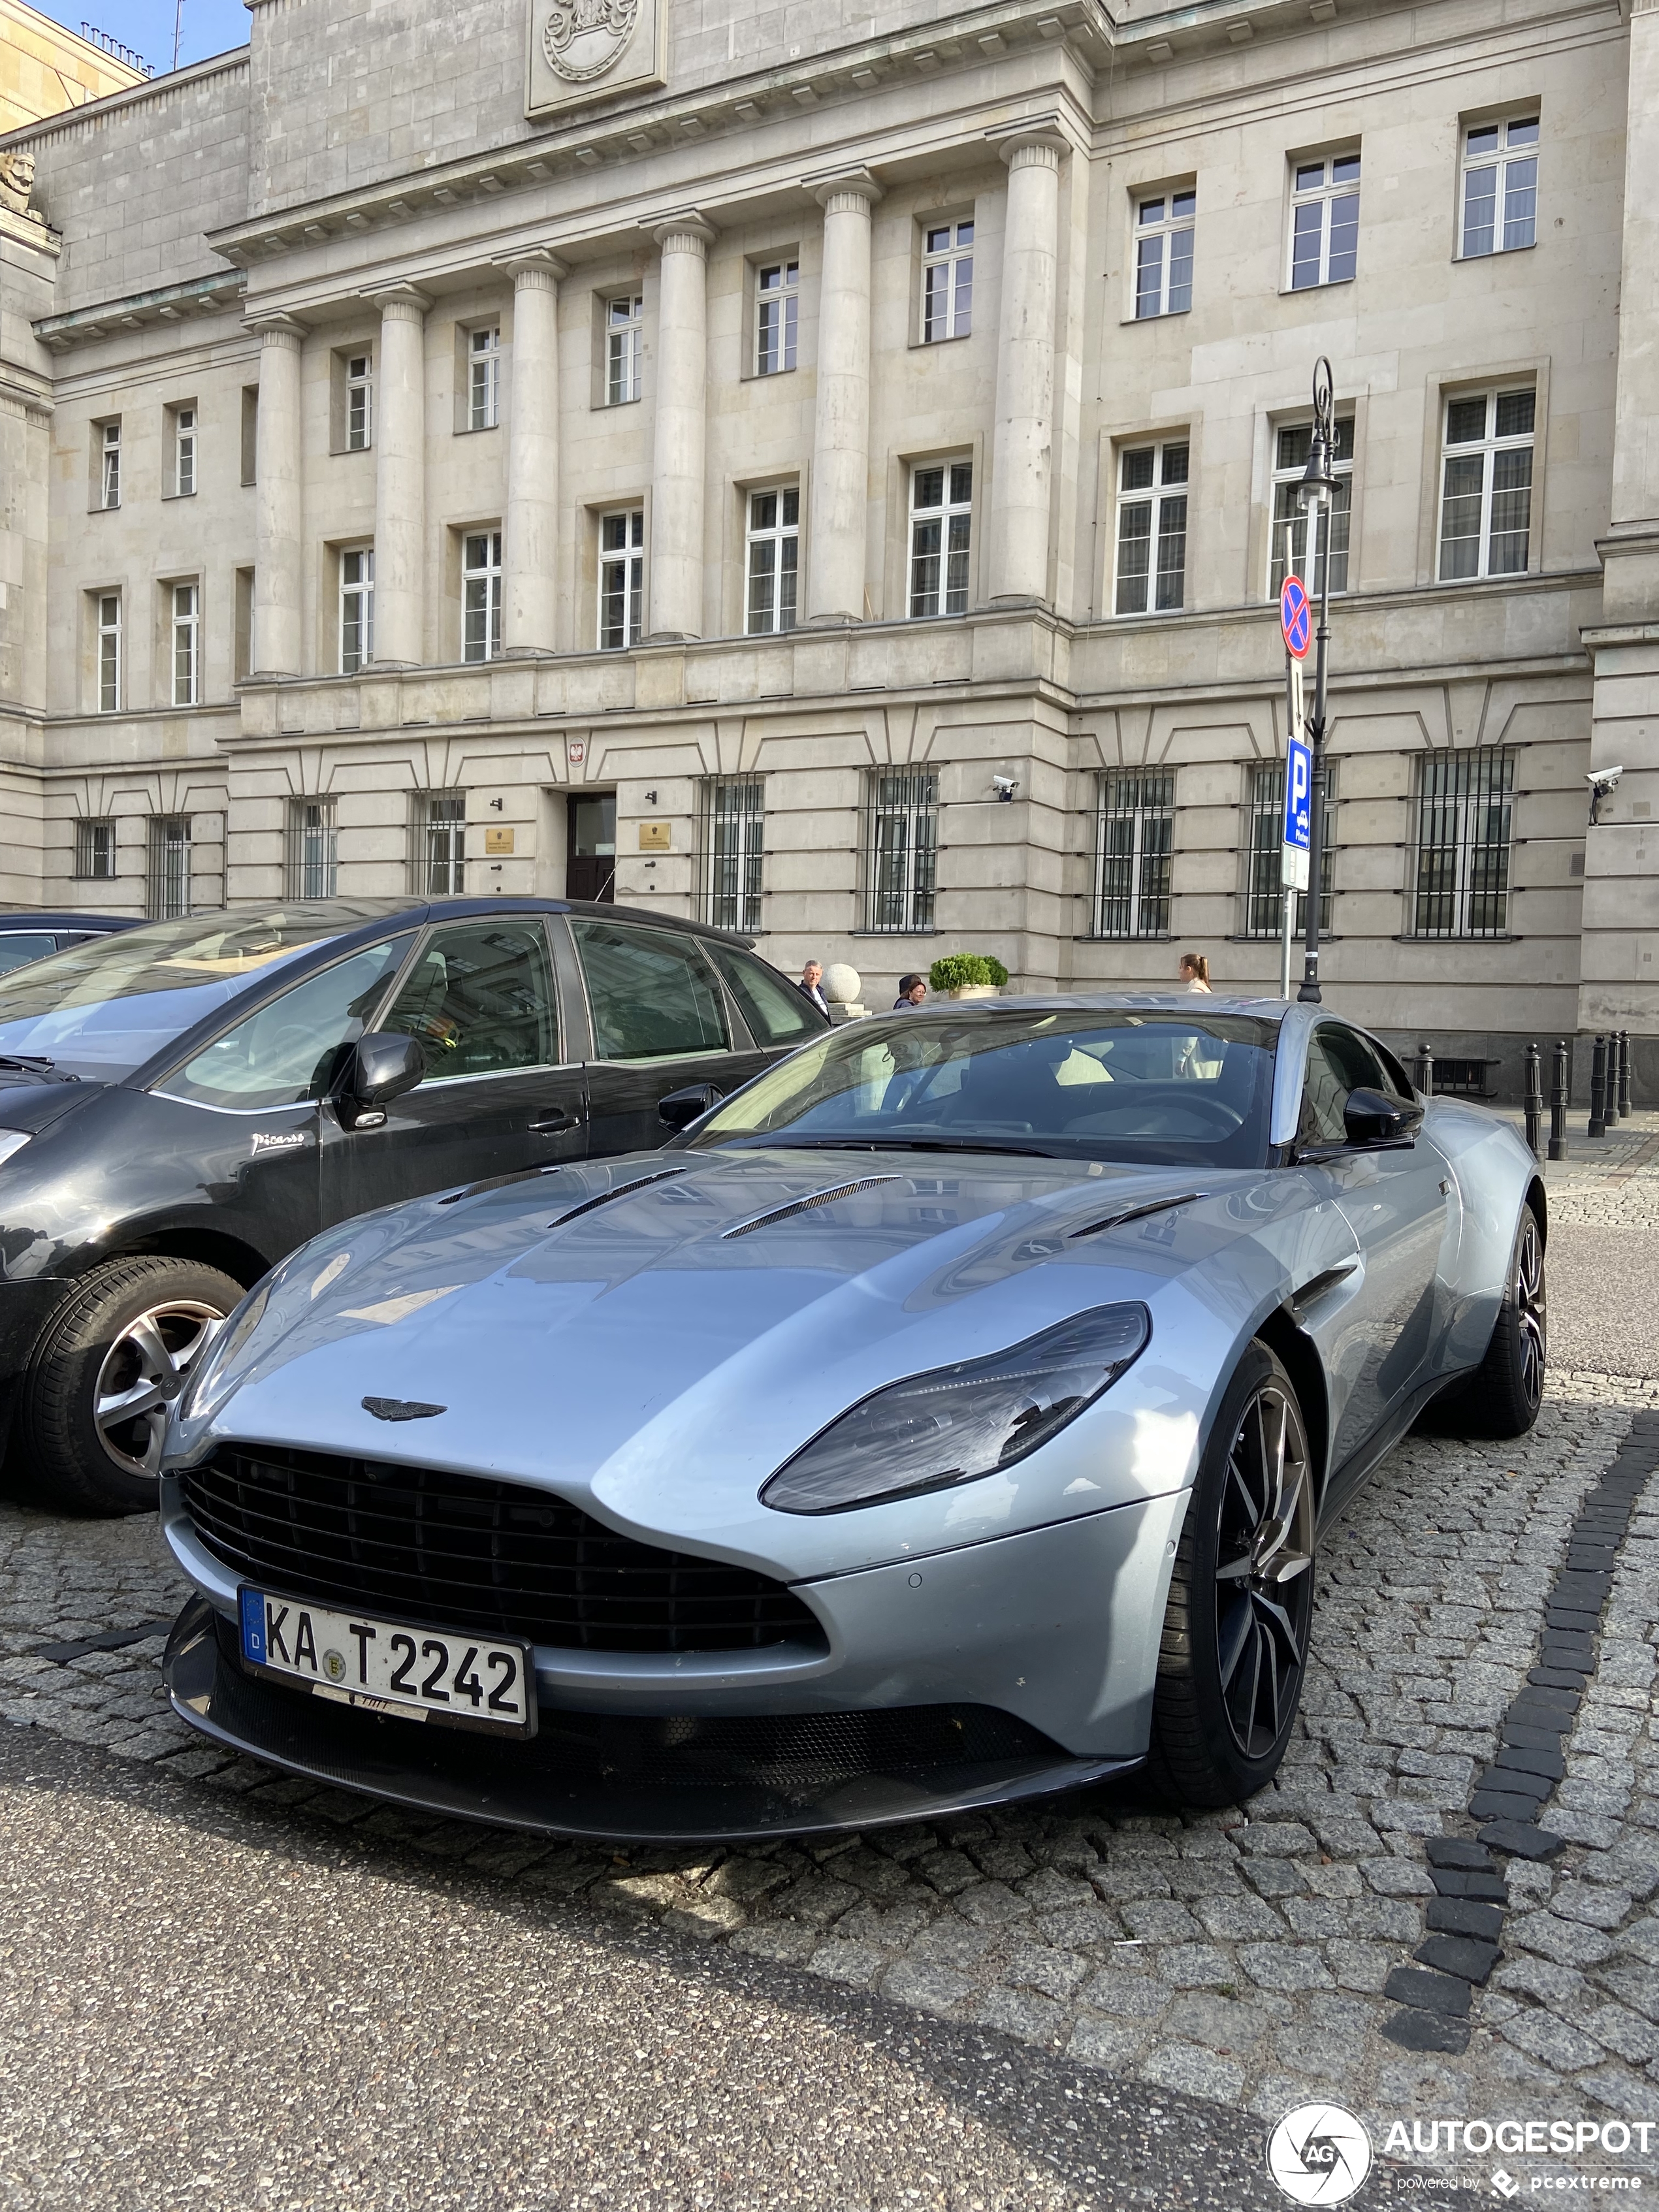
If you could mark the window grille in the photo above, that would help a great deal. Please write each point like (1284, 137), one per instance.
(359, 402)
(1289, 530)
(94, 850)
(1134, 843)
(109, 653)
(166, 888)
(186, 623)
(481, 595)
(624, 338)
(621, 579)
(183, 452)
(1324, 222)
(1500, 172)
(941, 529)
(311, 862)
(1485, 491)
(1264, 893)
(947, 283)
(773, 537)
(732, 842)
(1151, 530)
(483, 395)
(900, 851)
(1164, 255)
(356, 609)
(777, 307)
(438, 868)
(109, 493)
(1465, 824)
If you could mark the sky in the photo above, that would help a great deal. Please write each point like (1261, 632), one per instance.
(205, 27)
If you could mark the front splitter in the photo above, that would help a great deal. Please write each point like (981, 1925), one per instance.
(536, 1785)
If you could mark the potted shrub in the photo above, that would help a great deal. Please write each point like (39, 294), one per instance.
(966, 976)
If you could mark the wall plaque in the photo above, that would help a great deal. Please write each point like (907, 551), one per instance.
(497, 843)
(656, 837)
(583, 49)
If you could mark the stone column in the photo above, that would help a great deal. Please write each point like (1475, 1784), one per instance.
(399, 435)
(839, 490)
(674, 555)
(274, 647)
(1022, 459)
(530, 526)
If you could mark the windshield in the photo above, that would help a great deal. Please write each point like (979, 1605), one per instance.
(102, 1009)
(1106, 1084)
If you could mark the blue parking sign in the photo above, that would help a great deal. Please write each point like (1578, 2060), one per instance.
(1298, 796)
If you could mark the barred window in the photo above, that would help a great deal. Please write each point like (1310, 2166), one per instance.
(900, 847)
(1500, 172)
(1290, 531)
(1152, 529)
(438, 856)
(1264, 893)
(1134, 840)
(1485, 493)
(731, 843)
(166, 885)
(94, 850)
(311, 863)
(1164, 255)
(1465, 828)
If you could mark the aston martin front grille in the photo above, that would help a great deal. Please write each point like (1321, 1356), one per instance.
(419, 1544)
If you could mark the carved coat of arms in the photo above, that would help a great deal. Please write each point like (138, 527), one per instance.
(583, 39)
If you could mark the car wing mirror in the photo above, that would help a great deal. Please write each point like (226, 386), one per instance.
(382, 1067)
(682, 1108)
(1371, 1118)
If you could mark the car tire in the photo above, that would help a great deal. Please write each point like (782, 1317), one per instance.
(129, 1323)
(1501, 1397)
(1235, 1628)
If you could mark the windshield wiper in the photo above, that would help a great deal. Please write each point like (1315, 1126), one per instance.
(34, 1063)
(902, 1145)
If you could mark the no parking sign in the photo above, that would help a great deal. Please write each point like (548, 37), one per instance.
(1295, 616)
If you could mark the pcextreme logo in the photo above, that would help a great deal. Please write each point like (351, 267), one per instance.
(1319, 2155)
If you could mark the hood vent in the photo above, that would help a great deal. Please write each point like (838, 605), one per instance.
(621, 1190)
(1139, 1212)
(806, 1205)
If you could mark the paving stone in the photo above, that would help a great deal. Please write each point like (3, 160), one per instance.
(1561, 1987)
(1098, 2042)
(1032, 2019)
(1636, 2100)
(1221, 2023)
(1568, 1942)
(1083, 1929)
(784, 1941)
(1193, 1966)
(1428, 2030)
(1427, 1991)
(1276, 1840)
(1623, 2030)
(1361, 1966)
(1238, 1918)
(1457, 1954)
(1395, 1877)
(1552, 2040)
(1161, 1920)
(858, 1964)
(991, 1905)
(1284, 1966)
(1035, 1966)
(1524, 1841)
(929, 1987)
(1197, 2072)
(1126, 1997)
(1596, 1906)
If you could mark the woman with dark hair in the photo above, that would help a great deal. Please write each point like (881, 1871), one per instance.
(913, 989)
(1194, 971)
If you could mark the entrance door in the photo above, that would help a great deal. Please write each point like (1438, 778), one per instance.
(590, 869)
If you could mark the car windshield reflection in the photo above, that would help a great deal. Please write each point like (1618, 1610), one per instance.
(1145, 1087)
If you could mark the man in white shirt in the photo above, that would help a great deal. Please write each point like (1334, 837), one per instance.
(812, 985)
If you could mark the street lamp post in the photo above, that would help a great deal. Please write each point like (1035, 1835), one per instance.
(1315, 491)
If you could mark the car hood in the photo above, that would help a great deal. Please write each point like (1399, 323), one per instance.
(653, 1336)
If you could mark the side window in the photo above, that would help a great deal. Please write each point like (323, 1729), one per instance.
(1338, 1061)
(480, 999)
(17, 950)
(775, 1012)
(287, 1053)
(650, 994)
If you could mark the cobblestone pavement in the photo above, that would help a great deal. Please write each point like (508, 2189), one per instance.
(1239, 1957)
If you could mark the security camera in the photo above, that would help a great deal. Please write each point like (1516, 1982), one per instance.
(1602, 781)
(1006, 787)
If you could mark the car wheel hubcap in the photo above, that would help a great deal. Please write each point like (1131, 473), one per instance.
(143, 1371)
(1531, 1310)
(1264, 1579)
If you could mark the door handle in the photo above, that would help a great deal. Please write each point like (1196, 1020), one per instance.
(554, 1122)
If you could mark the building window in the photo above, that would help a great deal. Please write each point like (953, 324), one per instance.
(109, 481)
(1324, 222)
(777, 299)
(109, 653)
(625, 340)
(1464, 810)
(1164, 255)
(1134, 842)
(1152, 529)
(311, 863)
(359, 402)
(94, 851)
(901, 846)
(947, 283)
(481, 595)
(621, 579)
(1264, 891)
(732, 843)
(183, 452)
(438, 866)
(1500, 187)
(1485, 485)
(941, 527)
(356, 609)
(1289, 532)
(166, 885)
(774, 542)
(483, 379)
(186, 626)
(250, 440)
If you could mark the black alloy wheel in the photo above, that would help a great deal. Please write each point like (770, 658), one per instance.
(1501, 1397)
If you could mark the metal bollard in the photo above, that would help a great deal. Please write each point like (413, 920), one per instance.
(1598, 1113)
(1423, 1072)
(1558, 1102)
(1624, 1075)
(1535, 1103)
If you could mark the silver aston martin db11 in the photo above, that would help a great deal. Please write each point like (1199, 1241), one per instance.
(950, 1415)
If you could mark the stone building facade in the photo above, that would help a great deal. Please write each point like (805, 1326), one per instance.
(828, 468)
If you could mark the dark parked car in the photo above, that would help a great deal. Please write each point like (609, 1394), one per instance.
(182, 1105)
(27, 937)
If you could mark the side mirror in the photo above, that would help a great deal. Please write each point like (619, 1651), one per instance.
(682, 1108)
(1371, 1118)
(382, 1067)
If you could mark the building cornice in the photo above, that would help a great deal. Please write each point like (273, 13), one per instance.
(172, 304)
(69, 122)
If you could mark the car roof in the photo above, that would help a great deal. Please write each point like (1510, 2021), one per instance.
(465, 909)
(1174, 1002)
(13, 919)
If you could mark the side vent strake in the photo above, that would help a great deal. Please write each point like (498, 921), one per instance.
(806, 1205)
(1138, 1212)
(621, 1190)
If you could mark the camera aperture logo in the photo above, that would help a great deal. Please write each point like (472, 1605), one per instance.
(1319, 2155)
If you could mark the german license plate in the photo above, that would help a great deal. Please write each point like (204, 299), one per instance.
(387, 1666)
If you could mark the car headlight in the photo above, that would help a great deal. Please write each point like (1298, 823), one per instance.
(13, 1140)
(207, 1388)
(956, 1424)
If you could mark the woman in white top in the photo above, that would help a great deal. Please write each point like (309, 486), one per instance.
(1194, 971)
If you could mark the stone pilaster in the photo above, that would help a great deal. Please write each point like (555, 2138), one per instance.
(530, 525)
(1023, 428)
(399, 433)
(276, 646)
(674, 579)
(839, 489)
